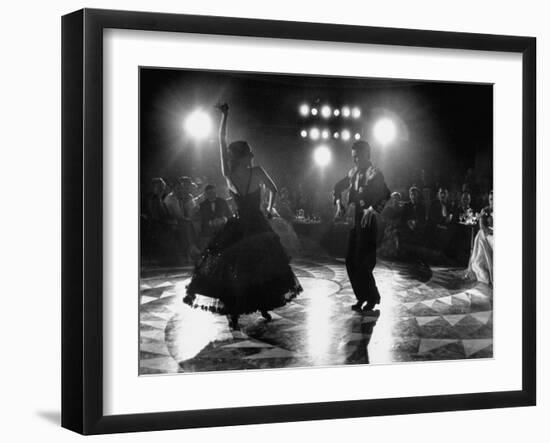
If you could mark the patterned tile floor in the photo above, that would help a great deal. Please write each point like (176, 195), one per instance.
(426, 314)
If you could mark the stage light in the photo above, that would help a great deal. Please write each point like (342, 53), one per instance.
(357, 136)
(346, 135)
(313, 111)
(304, 110)
(336, 135)
(325, 134)
(303, 133)
(314, 134)
(325, 111)
(336, 112)
(356, 112)
(322, 155)
(198, 124)
(346, 112)
(384, 131)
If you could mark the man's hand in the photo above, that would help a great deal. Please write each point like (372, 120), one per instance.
(367, 220)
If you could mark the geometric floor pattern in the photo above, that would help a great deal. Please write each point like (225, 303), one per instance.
(426, 314)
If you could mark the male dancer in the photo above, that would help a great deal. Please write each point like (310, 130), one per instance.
(367, 192)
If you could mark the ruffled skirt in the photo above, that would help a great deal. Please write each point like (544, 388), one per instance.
(243, 269)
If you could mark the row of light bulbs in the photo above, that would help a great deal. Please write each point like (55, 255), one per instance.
(316, 134)
(326, 111)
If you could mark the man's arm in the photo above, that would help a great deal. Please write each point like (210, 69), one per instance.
(339, 188)
(373, 196)
(377, 185)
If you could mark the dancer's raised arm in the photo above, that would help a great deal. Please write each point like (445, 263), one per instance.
(339, 188)
(224, 108)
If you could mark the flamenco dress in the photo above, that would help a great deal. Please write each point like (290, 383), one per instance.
(244, 268)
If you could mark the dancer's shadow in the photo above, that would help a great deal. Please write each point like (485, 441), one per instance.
(414, 270)
(357, 350)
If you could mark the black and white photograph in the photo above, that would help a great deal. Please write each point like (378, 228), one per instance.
(295, 221)
(275, 221)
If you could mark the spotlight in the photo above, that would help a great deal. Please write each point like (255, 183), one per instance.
(313, 111)
(356, 112)
(304, 110)
(198, 124)
(314, 134)
(322, 155)
(346, 112)
(385, 131)
(357, 136)
(346, 135)
(303, 133)
(325, 111)
(336, 112)
(336, 135)
(325, 134)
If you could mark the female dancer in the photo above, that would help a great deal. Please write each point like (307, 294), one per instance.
(244, 268)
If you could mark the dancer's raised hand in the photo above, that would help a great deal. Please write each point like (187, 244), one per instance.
(223, 107)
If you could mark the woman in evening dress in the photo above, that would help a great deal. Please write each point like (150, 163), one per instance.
(244, 268)
(480, 267)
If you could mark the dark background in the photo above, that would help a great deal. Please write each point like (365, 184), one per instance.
(443, 127)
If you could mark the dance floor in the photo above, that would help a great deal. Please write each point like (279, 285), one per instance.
(426, 313)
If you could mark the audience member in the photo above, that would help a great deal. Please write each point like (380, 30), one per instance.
(480, 266)
(439, 234)
(464, 209)
(391, 217)
(283, 205)
(413, 222)
(156, 233)
(214, 213)
(181, 207)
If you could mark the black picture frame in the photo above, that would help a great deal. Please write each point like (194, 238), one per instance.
(82, 218)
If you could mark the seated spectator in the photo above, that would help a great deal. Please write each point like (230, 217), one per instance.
(180, 201)
(391, 214)
(157, 229)
(413, 219)
(157, 210)
(181, 207)
(480, 267)
(391, 217)
(283, 205)
(439, 229)
(464, 209)
(453, 202)
(440, 214)
(214, 213)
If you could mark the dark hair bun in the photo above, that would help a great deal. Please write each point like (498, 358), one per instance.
(240, 149)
